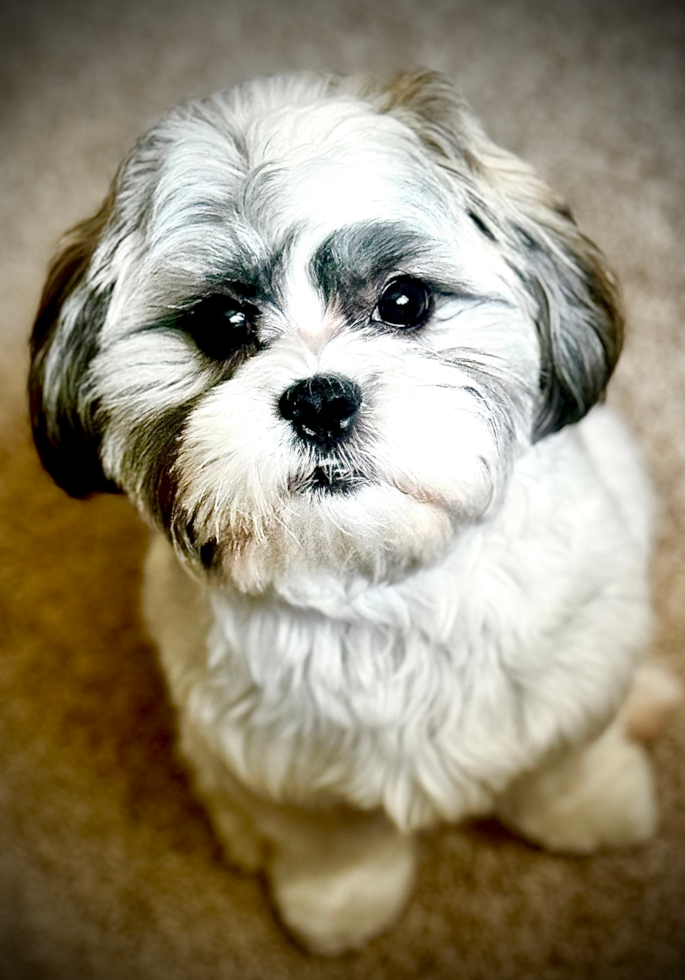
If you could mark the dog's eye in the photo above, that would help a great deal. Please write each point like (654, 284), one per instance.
(220, 326)
(405, 302)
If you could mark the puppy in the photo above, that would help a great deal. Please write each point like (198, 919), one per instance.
(342, 352)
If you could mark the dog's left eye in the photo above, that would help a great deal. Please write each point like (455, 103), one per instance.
(221, 326)
(405, 302)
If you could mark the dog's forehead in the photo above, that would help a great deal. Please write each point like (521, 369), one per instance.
(310, 169)
(339, 162)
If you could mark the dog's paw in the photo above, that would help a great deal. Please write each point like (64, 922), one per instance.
(599, 796)
(332, 907)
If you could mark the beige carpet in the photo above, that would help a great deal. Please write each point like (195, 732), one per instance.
(108, 869)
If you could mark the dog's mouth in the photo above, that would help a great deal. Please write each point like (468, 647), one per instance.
(328, 477)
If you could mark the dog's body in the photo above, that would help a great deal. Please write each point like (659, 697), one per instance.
(341, 349)
(426, 696)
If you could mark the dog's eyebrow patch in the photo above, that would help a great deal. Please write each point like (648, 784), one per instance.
(359, 257)
(245, 278)
(248, 270)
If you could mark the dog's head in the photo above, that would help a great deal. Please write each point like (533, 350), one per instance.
(314, 325)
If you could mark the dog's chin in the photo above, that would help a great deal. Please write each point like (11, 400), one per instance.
(333, 527)
(327, 477)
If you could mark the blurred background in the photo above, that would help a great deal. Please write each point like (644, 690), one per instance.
(107, 867)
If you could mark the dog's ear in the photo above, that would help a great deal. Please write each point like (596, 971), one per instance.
(577, 314)
(572, 295)
(64, 341)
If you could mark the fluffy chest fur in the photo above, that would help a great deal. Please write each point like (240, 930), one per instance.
(427, 696)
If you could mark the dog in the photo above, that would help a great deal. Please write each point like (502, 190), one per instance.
(347, 357)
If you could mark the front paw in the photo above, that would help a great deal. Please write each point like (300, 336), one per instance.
(337, 903)
(599, 796)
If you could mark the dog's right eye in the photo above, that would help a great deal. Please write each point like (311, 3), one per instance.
(221, 326)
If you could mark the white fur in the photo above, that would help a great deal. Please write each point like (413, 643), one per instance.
(427, 696)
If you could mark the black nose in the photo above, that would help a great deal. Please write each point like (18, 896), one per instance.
(321, 408)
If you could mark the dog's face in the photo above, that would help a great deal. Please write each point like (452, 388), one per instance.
(314, 326)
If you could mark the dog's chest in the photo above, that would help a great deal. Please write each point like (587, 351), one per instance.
(424, 703)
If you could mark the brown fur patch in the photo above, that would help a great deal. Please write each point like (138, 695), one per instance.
(68, 268)
(423, 92)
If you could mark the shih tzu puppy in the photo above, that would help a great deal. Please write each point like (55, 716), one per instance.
(342, 352)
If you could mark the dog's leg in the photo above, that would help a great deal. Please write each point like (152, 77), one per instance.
(339, 880)
(337, 876)
(598, 795)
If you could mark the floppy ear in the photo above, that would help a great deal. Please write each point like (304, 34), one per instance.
(571, 294)
(63, 343)
(577, 314)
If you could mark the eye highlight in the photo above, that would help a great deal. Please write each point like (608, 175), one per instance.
(406, 303)
(221, 326)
